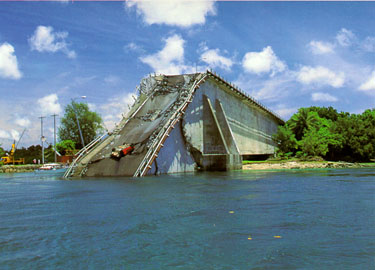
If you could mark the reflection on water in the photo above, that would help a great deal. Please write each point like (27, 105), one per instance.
(299, 219)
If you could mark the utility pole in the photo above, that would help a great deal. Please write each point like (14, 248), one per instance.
(42, 137)
(54, 134)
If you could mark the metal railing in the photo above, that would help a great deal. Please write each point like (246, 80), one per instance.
(85, 150)
(90, 146)
(154, 149)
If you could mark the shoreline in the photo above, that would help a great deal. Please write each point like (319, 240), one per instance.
(288, 165)
(254, 165)
(19, 168)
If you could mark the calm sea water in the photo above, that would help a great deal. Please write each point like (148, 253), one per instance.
(324, 219)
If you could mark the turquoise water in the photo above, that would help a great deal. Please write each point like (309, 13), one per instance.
(325, 220)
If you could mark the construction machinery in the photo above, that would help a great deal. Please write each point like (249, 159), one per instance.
(10, 159)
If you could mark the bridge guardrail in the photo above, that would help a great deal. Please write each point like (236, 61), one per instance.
(151, 154)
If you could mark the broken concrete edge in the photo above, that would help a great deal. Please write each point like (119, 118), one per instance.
(163, 133)
(154, 149)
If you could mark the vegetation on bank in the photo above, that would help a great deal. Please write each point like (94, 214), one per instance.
(68, 132)
(90, 123)
(323, 132)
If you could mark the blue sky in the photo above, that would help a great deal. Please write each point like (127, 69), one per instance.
(285, 54)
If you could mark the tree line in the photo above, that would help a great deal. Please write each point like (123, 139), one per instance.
(324, 132)
(69, 138)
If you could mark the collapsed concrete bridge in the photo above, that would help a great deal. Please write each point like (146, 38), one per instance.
(183, 123)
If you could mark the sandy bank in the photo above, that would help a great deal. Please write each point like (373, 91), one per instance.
(301, 165)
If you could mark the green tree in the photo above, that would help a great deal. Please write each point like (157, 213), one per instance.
(298, 122)
(2, 151)
(30, 153)
(49, 154)
(285, 140)
(325, 112)
(319, 137)
(65, 145)
(320, 131)
(90, 123)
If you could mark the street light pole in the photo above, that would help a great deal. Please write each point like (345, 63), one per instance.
(54, 135)
(79, 128)
(42, 139)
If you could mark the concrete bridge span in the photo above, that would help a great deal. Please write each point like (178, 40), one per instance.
(184, 123)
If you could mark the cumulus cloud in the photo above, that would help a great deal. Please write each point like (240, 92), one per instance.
(169, 60)
(15, 134)
(345, 37)
(50, 104)
(320, 47)
(323, 97)
(46, 40)
(114, 109)
(263, 62)
(182, 13)
(369, 85)
(320, 76)
(214, 59)
(4, 134)
(8, 62)
(23, 122)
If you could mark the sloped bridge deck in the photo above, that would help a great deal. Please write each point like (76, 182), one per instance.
(147, 129)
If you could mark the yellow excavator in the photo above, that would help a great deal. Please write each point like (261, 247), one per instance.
(9, 159)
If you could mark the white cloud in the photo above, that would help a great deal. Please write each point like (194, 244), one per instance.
(214, 59)
(323, 97)
(263, 62)
(8, 62)
(285, 112)
(369, 44)
(92, 106)
(112, 79)
(50, 104)
(23, 122)
(369, 85)
(169, 60)
(272, 89)
(4, 134)
(15, 134)
(46, 40)
(320, 47)
(182, 13)
(320, 76)
(114, 109)
(345, 37)
(133, 47)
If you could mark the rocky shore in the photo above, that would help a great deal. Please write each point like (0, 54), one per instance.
(302, 165)
(18, 168)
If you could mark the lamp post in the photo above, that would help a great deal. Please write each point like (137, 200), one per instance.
(75, 113)
(43, 140)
